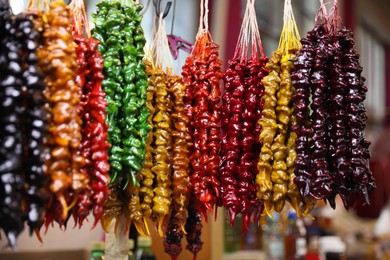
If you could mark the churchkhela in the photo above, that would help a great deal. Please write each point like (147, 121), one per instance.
(96, 124)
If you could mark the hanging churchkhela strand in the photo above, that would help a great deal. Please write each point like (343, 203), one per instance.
(241, 109)
(91, 109)
(193, 228)
(35, 124)
(180, 180)
(333, 153)
(118, 28)
(201, 76)
(157, 197)
(177, 146)
(63, 162)
(11, 149)
(147, 176)
(276, 175)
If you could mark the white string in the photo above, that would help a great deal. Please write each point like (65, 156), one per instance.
(249, 39)
(201, 17)
(160, 47)
(206, 16)
(243, 35)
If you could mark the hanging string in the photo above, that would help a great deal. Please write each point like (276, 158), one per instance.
(335, 18)
(290, 38)
(255, 29)
(80, 17)
(39, 5)
(200, 29)
(249, 39)
(160, 47)
(206, 16)
(321, 16)
(240, 47)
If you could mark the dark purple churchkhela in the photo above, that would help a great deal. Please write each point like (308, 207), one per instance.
(362, 180)
(22, 126)
(35, 122)
(300, 78)
(321, 180)
(193, 228)
(172, 239)
(11, 138)
(332, 153)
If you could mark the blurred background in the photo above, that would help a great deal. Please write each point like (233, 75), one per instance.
(366, 229)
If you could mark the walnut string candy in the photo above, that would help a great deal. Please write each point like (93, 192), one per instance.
(193, 228)
(82, 207)
(321, 180)
(180, 179)
(332, 152)
(35, 123)
(114, 205)
(181, 141)
(11, 149)
(162, 150)
(231, 126)
(201, 75)
(147, 176)
(269, 130)
(172, 238)
(300, 78)
(94, 143)
(56, 58)
(279, 175)
(361, 182)
(240, 143)
(98, 135)
(160, 161)
(121, 43)
(241, 109)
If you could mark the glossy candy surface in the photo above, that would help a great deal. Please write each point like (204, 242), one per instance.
(241, 109)
(94, 143)
(118, 28)
(332, 153)
(201, 76)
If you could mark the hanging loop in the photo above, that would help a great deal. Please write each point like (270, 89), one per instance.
(157, 6)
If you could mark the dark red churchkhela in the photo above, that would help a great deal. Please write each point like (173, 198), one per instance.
(320, 186)
(361, 181)
(242, 106)
(300, 78)
(94, 143)
(201, 76)
(332, 153)
(241, 109)
(193, 228)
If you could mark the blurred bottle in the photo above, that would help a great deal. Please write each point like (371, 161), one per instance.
(273, 238)
(97, 250)
(144, 251)
(131, 250)
(313, 250)
(295, 238)
(313, 232)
